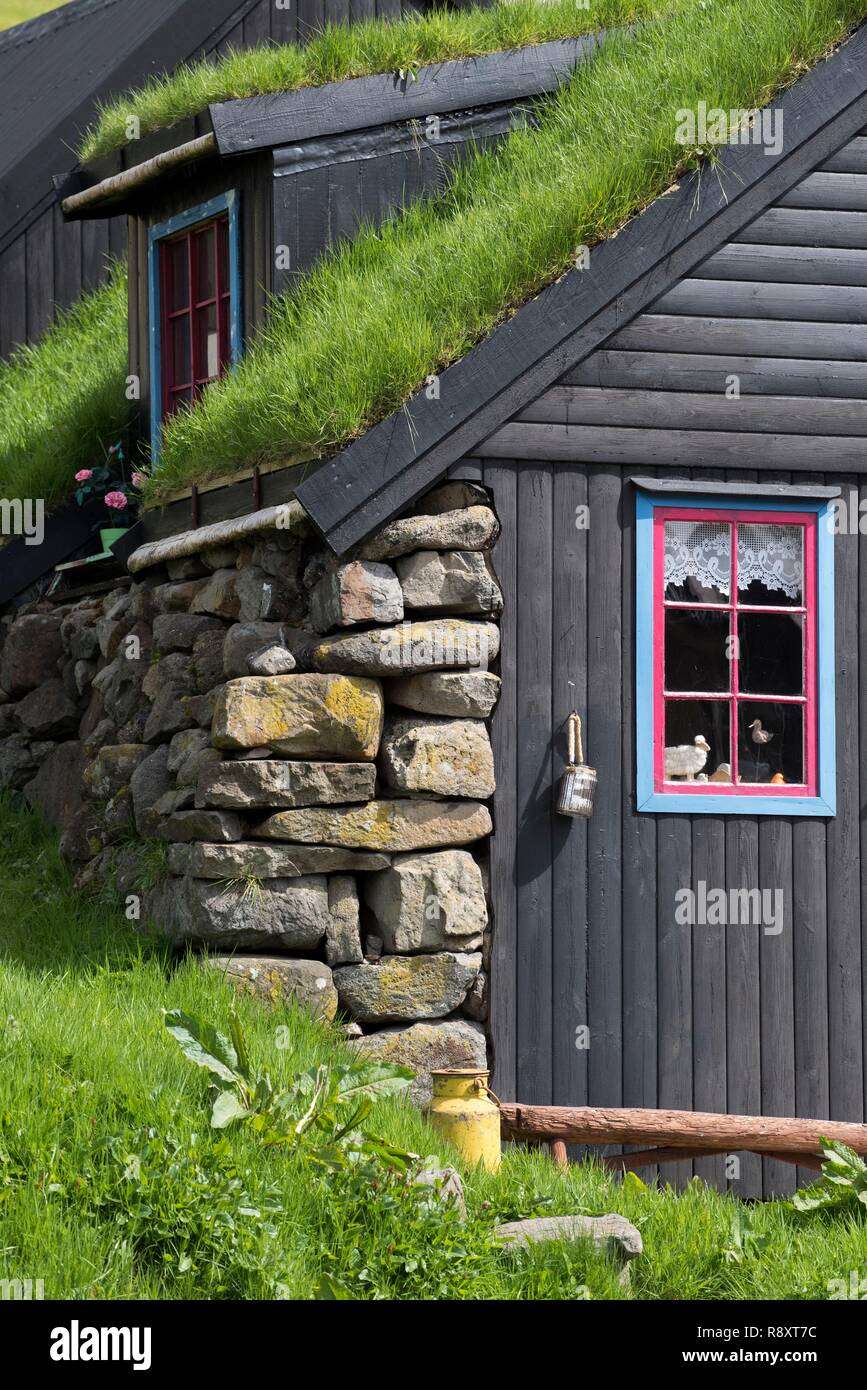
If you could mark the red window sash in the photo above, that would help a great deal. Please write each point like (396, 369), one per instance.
(198, 378)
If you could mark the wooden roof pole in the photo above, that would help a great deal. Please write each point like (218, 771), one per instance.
(767, 1134)
(117, 185)
(287, 516)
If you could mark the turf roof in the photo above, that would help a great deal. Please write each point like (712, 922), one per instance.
(358, 50)
(366, 327)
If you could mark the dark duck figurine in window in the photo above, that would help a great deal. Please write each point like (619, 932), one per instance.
(760, 737)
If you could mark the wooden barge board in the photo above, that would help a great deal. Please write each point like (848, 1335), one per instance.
(254, 123)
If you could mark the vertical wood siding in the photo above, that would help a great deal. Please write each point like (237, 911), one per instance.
(710, 1018)
(584, 933)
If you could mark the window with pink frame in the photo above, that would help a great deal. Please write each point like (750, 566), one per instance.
(734, 652)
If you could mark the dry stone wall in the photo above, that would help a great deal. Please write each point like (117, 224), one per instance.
(308, 739)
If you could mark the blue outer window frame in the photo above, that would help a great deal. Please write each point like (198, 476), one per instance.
(203, 212)
(647, 799)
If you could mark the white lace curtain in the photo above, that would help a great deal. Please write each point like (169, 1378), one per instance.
(701, 551)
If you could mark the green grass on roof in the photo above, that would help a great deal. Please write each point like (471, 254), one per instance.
(364, 329)
(64, 399)
(17, 11)
(359, 50)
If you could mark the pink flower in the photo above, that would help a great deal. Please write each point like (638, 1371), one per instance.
(83, 474)
(139, 479)
(115, 500)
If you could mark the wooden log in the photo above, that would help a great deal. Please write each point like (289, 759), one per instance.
(130, 180)
(649, 1158)
(765, 1134)
(288, 517)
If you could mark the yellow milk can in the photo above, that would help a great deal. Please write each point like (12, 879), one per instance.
(463, 1112)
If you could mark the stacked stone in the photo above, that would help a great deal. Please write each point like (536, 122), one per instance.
(310, 735)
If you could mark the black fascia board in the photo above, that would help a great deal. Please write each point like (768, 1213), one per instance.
(288, 118)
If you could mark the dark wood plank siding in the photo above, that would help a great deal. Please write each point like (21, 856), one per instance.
(845, 988)
(570, 1078)
(326, 188)
(703, 1018)
(603, 745)
(783, 310)
(710, 1018)
(533, 764)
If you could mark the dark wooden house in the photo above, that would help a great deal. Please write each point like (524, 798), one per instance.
(675, 439)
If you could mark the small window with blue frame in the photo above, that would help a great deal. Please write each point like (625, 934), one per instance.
(734, 655)
(195, 291)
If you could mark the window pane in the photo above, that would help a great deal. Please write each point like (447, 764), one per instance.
(773, 748)
(207, 350)
(771, 653)
(177, 279)
(696, 650)
(697, 561)
(179, 398)
(205, 265)
(180, 350)
(223, 253)
(686, 721)
(770, 564)
(225, 341)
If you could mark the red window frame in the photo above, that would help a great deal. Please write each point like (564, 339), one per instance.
(193, 314)
(808, 699)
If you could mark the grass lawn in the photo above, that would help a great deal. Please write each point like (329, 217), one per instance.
(113, 1186)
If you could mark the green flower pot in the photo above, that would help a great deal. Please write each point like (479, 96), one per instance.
(108, 535)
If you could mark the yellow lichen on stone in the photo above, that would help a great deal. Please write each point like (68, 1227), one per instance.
(304, 715)
(356, 702)
(382, 825)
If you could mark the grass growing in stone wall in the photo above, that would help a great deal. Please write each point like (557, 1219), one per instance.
(63, 399)
(113, 1187)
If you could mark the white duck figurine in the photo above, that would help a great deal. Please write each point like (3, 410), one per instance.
(687, 759)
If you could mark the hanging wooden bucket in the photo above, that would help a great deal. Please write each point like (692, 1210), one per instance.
(578, 783)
